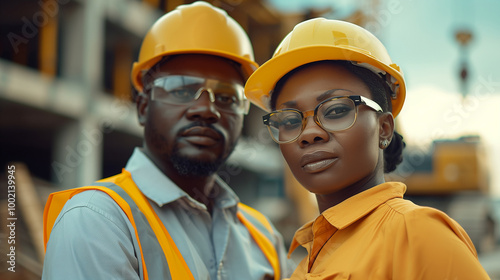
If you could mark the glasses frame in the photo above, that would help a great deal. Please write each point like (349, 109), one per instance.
(243, 108)
(357, 99)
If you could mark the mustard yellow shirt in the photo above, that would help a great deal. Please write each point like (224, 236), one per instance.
(379, 235)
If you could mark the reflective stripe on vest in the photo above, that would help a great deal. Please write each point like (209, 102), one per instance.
(246, 213)
(147, 225)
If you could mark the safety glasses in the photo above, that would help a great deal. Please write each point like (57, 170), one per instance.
(185, 90)
(333, 114)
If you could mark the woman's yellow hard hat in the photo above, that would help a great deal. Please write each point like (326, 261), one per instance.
(323, 39)
(194, 28)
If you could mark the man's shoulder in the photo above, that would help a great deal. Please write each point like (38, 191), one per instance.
(95, 198)
(93, 207)
(91, 200)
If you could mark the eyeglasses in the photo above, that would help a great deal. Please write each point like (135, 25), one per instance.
(184, 90)
(333, 114)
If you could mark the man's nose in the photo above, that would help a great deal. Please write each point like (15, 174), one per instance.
(204, 107)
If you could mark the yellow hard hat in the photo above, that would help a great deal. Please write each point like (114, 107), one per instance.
(194, 28)
(322, 39)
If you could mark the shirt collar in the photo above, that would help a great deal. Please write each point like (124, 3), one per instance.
(161, 190)
(356, 207)
(350, 210)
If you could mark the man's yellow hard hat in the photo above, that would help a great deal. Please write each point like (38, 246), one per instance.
(194, 28)
(323, 39)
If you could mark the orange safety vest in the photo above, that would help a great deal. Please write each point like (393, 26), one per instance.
(122, 189)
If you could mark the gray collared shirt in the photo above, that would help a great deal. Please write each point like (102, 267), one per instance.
(91, 238)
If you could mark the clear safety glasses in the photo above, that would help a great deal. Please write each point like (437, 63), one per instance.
(333, 114)
(184, 90)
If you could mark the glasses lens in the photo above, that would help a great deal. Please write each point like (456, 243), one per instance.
(176, 89)
(180, 90)
(337, 114)
(285, 125)
(229, 97)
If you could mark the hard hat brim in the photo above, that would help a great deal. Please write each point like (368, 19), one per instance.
(248, 66)
(260, 85)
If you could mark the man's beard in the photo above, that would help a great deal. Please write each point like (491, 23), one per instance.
(186, 166)
(192, 167)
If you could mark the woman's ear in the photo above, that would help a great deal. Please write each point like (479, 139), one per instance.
(386, 127)
(142, 103)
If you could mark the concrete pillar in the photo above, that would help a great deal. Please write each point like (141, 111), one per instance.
(65, 161)
(72, 26)
(89, 148)
(93, 45)
(77, 158)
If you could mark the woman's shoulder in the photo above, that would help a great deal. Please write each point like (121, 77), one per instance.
(408, 208)
(422, 220)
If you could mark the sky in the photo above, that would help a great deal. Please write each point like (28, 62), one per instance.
(420, 37)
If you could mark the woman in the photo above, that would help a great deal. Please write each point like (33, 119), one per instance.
(333, 92)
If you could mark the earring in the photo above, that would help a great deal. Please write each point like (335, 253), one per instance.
(384, 143)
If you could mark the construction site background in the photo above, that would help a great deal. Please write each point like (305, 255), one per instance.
(66, 119)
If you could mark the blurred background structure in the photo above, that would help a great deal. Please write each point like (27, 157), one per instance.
(66, 118)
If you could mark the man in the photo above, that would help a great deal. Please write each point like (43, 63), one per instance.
(168, 215)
